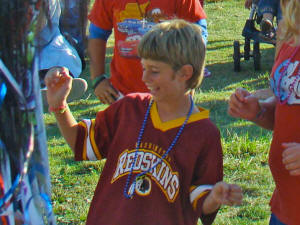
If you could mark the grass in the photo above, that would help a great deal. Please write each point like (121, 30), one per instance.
(245, 146)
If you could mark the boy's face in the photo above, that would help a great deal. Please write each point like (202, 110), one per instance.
(164, 83)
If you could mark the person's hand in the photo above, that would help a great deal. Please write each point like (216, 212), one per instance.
(227, 194)
(248, 4)
(243, 105)
(291, 157)
(105, 92)
(58, 83)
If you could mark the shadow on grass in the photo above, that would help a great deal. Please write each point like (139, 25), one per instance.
(53, 132)
(223, 74)
(91, 168)
(81, 168)
(230, 126)
(82, 109)
(212, 47)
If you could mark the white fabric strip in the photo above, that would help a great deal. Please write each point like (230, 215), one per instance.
(197, 191)
(89, 149)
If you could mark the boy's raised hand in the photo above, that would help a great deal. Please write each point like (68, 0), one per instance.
(59, 84)
(291, 158)
(243, 104)
(227, 194)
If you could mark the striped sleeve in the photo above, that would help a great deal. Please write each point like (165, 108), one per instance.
(86, 147)
(197, 192)
(207, 172)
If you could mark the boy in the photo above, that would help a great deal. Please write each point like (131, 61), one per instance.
(158, 170)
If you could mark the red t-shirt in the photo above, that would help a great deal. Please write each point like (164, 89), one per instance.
(173, 192)
(285, 202)
(125, 17)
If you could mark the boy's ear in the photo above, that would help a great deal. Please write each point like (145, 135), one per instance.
(186, 72)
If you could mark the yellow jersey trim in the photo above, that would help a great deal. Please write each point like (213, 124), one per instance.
(198, 197)
(84, 152)
(93, 141)
(164, 126)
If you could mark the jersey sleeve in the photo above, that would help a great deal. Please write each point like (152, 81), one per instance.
(101, 14)
(95, 135)
(209, 171)
(190, 10)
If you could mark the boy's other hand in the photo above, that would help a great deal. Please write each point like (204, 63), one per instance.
(227, 194)
(58, 83)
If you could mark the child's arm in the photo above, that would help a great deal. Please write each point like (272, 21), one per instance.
(243, 104)
(59, 84)
(291, 158)
(222, 194)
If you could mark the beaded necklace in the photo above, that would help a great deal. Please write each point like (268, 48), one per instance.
(282, 102)
(140, 175)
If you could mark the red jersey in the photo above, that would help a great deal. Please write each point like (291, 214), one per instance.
(174, 191)
(130, 20)
(285, 202)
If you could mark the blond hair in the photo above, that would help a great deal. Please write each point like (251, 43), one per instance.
(291, 20)
(177, 43)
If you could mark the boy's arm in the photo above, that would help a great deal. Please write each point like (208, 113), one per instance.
(103, 90)
(208, 171)
(222, 194)
(59, 84)
(97, 49)
(67, 126)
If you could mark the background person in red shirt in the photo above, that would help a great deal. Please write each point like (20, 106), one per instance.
(129, 20)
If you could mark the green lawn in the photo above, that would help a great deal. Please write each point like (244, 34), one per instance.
(245, 145)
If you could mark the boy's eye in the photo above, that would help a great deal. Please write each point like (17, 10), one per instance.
(149, 70)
